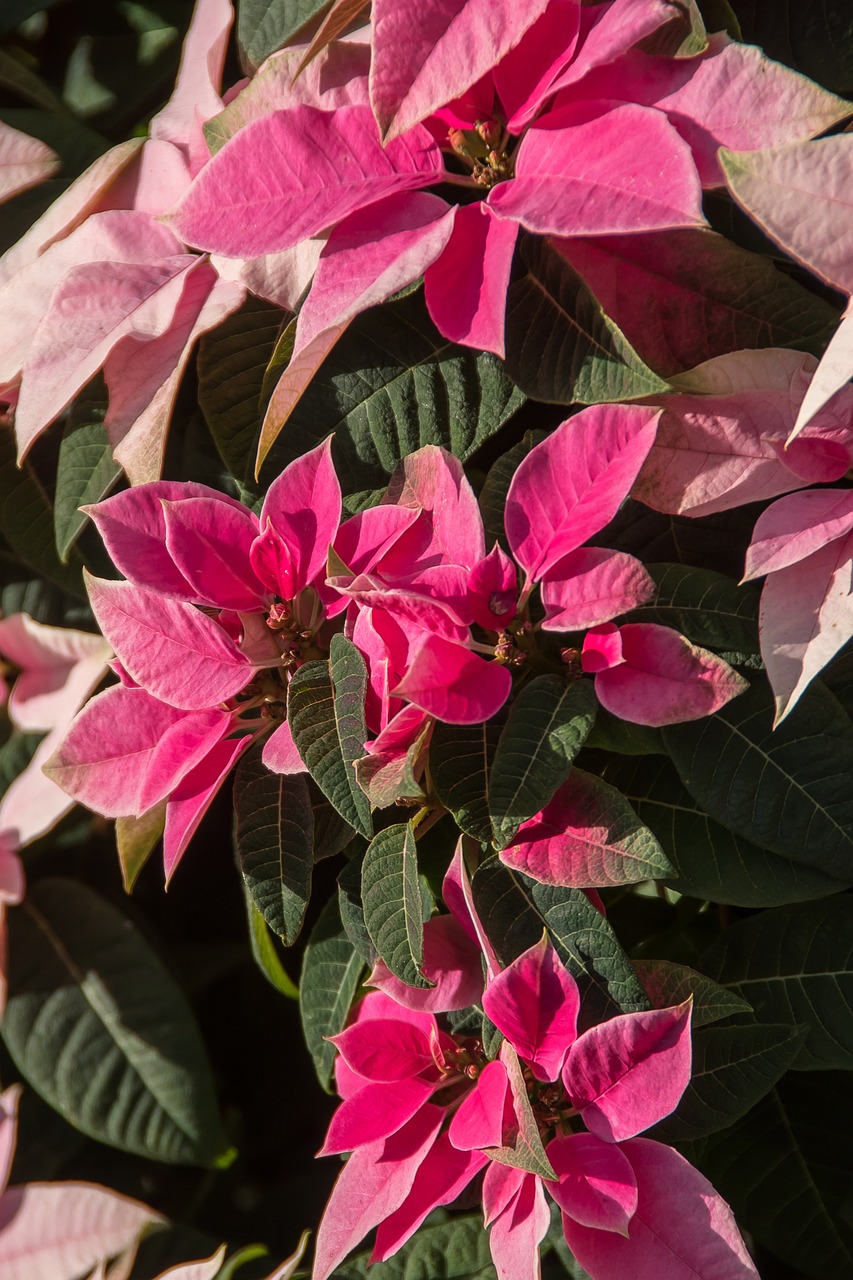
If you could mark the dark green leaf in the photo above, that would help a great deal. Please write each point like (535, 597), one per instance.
(684, 296)
(263, 950)
(454, 1250)
(331, 833)
(609, 733)
(265, 25)
(331, 970)
(787, 789)
(514, 910)
(668, 984)
(98, 1027)
(26, 521)
(814, 39)
(274, 839)
(547, 725)
(786, 1169)
(232, 360)
(15, 754)
(733, 1067)
(325, 709)
(352, 911)
(713, 863)
(460, 761)
(560, 346)
(391, 385)
(391, 899)
(85, 474)
(706, 607)
(795, 965)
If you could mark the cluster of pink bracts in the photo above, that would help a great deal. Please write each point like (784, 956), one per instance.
(221, 606)
(425, 1112)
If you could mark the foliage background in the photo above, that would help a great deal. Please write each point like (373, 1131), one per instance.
(83, 75)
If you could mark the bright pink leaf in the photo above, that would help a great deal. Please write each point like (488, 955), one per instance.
(181, 747)
(625, 1074)
(805, 617)
(303, 508)
(133, 526)
(493, 590)
(280, 753)
(451, 528)
(592, 585)
(24, 162)
(374, 1112)
(376, 252)
(209, 542)
(587, 834)
(681, 1230)
(175, 651)
(664, 679)
(52, 1229)
(456, 892)
(597, 454)
(465, 289)
(523, 77)
(384, 1049)
(451, 961)
(102, 760)
(444, 1173)
(625, 169)
(607, 31)
(500, 1186)
(372, 1185)
(535, 1003)
(481, 1118)
(416, 67)
(193, 796)
(295, 173)
(453, 684)
(602, 648)
(516, 1234)
(597, 1187)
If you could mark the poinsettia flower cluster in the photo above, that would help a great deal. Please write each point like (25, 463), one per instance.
(565, 119)
(425, 1111)
(219, 606)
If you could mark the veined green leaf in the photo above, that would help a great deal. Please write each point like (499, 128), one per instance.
(331, 971)
(274, 839)
(96, 1024)
(547, 725)
(391, 899)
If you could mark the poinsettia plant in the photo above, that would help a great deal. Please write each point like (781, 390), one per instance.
(426, 552)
